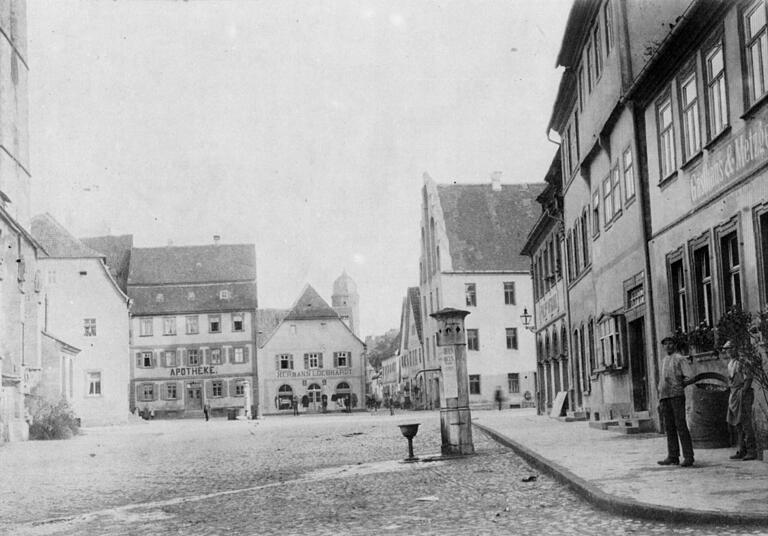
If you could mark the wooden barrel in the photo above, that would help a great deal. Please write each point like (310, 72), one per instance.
(709, 407)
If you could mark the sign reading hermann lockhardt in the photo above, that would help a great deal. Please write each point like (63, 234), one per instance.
(746, 150)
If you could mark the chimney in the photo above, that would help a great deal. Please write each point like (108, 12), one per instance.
(216, 239)
(496, 181)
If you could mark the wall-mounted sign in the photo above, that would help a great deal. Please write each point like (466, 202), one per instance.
(193, 371)
(313, 372)
(746, 150)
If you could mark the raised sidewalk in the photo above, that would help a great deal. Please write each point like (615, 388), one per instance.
(619, 472)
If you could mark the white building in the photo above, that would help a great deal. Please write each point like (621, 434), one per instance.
(471, 238)
(84, 306)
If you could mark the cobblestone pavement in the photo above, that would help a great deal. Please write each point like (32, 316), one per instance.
(334, 474)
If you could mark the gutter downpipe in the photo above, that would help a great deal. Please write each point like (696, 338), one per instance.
(566, 297)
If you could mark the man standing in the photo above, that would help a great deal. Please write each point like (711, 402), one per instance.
(740, 404)
(295, 404)
(206, 410)
(672, 383)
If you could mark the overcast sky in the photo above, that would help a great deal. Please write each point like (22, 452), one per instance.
(302, 127)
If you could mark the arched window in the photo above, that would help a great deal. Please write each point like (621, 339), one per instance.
(284, 397)
(342, 386)
(285, 389)
(313, 392)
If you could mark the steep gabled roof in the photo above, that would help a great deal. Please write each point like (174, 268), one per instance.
(180, 299)
(117, 250)
(311, 306)
(192, 264)
(414, 297)
(267, 321)
(58, 242)
(487, 229)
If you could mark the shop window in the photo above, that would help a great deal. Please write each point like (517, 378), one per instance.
(473, 339)
(474, 384)
(761, 234)
(678, 294)
(146, 392)
(511, 338)
(702, 285)
(731, 269)
(513, 382)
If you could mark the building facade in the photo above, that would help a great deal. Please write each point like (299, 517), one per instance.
(193, 330)
(20, 357)
(701, 106)
(545, 246)
(314, 356)
(411, 353)
(471, 238)
(85, 307)
(604, 47)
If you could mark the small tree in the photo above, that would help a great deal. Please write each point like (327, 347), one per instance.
(52, 419)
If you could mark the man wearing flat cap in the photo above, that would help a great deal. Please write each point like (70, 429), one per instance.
(672, 383)
(740, 404)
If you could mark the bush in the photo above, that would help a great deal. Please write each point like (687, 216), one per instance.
(53, 420)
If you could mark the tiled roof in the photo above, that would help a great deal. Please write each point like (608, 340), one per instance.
(192, 264)
(267, 321)
(414, 296)
(487, 229)
(311, 306)
(56, 240)
(180, 299)
(117, 250)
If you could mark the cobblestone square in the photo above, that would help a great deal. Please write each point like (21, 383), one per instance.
(334, 474)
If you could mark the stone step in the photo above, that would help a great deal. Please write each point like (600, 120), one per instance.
(602, 425)
(633, 425)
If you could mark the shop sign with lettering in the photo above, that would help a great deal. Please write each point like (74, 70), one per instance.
(742, 153)
(313, 372)
(548, 307)
(193, 371)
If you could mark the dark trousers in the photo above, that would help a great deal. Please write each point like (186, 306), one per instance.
(746, 428)
(673, 413)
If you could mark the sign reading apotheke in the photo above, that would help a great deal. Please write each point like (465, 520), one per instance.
(313, 372)
(745, 151)
(193, 371)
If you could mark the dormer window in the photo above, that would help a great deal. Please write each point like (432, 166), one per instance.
(159, 298)
(191, 296)
(224, 295)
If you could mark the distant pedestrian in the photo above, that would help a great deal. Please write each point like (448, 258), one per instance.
(206, 410)
(295, 404)
(498, 397)
(672, 383)
(740, 404)
(349, 403)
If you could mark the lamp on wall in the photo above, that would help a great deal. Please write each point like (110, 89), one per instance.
(526, 318)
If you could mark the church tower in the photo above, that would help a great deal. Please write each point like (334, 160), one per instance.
(345, 301)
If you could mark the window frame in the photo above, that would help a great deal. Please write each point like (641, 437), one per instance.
(474, 384)
(703, 304)
(174, 355)
(216, 356)
(509, 292)
(89, 327)
(631, 169)
(512, 338)
(217, 385)
(664, 132)
(143, 324)
(199, 358)
(685, 79)
(214, 319)
(715, 44)
(235, 321)
(760, 223)
(470, 294)
(751, 95)
(473, 339)
(94, 386)
(607, 191)
(722, 232)
(169, 326)
(192, 324)
(678, 295)
(513, 383)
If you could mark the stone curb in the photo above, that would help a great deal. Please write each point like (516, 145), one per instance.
(618, 505)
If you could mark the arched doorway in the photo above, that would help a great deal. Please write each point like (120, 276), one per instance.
(314, 393)
(284, 397)
(342, 391)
